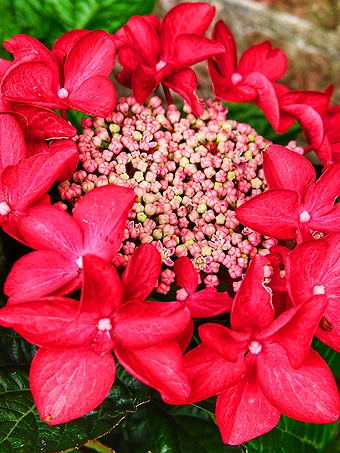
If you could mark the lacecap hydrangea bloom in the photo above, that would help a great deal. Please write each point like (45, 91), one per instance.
(189, 175)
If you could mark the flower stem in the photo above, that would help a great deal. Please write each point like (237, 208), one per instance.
(167, 94)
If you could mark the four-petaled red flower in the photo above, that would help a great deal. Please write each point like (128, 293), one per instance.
(263, 366)
(251, 79)
(78, 81)
(74, 370)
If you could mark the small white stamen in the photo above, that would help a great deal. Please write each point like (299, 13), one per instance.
(62, 93)
(255, 347)
(160, 65)
(304, 217)
(318, 290)
(4, 208)
(79, 262)
(236, 78)
(104, 324)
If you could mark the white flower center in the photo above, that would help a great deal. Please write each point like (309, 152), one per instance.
(255, 347)
(79, 262)
(4, 208)
(304, 216)
(104, 324)
(318, 290)
(236, 78)
(160, 65)
(62, 93)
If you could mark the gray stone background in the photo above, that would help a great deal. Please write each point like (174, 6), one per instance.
(308, 31)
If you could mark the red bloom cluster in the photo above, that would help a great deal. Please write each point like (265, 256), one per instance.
(260, 366)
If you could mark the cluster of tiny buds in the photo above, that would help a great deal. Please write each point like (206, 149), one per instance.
(188, 173)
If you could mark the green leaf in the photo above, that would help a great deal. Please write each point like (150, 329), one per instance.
(160, 428)
(291, 436)
(22, 431)
(329, 355)
(251, 114)
(48, 19)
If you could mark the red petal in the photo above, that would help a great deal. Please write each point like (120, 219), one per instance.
(193, 18)
(34, 147)
(33, 83)
(12, 143)
(102, 289)
(70, 147)
(285, 169)
(94, 54)
(50, 228)
(225, 342)
(141, 274)
(38, 274)
(308, 394)
(272, 213)
(26, 48)
(209, 373)
(320, 197)
(208, 302)
(294, 329)
(307, 107)
(243, 413)
(309, 120)
(159, 367)
(226, 62)
(39, 123)
(65, 42)
(266, 98)
(186, 275)
(102, 214)
(272, 63)
(137, 326)
(184, 339)
(312, 264)
(191, 49)
(35, 176)
(59, 379)
(252, 308)
(143, 38)
(143, 83)
(185, 83)
(327, 223)
(89, 97)
(332, 318)
(53, 322)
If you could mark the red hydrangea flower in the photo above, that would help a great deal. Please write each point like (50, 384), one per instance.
(61, 240)
(263, 366)
(151, 52)
(314, 268)
(80, 81)
(23, 182)
(251, 78)
(76, 339)
(294, 203)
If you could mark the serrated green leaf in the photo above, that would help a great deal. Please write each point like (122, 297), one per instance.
(251, 114)
(22, 431)
(291, 436)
